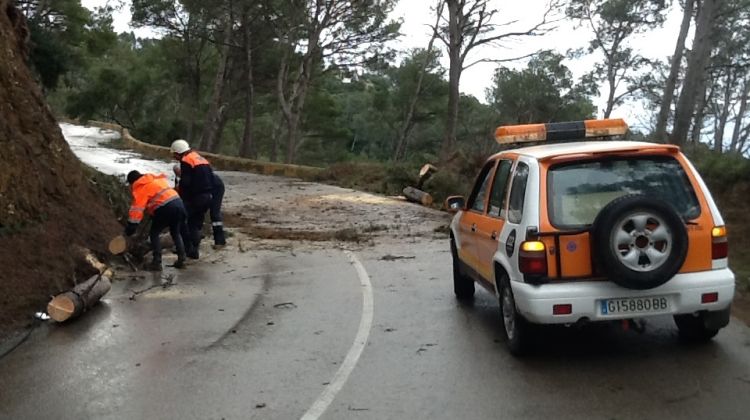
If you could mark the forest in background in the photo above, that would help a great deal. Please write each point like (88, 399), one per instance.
(317, 82)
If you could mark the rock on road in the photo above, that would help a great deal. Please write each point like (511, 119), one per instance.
(294, 325)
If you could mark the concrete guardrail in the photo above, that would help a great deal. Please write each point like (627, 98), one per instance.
(220, 162)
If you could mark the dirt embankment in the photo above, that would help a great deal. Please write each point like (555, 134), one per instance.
(732, 202)
(47, 203)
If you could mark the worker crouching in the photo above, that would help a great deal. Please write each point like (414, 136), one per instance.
(152, 194)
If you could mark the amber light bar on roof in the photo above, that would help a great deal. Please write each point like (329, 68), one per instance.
(577, 130)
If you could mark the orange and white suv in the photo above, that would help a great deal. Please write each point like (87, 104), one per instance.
(582, 231)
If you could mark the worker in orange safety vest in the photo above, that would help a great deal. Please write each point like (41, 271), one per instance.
(196, 185)
(217, 196)
(153, 194)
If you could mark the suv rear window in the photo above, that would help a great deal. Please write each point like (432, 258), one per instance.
(577, 192)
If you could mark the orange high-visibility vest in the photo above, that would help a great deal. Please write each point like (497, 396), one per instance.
(194, 159)
(150, 192)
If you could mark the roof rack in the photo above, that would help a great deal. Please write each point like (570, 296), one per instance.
(560, 132)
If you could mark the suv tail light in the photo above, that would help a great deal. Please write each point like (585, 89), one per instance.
(532, 259)
(719, 244)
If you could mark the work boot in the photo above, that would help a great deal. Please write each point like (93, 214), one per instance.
(219, 238)
(193, 254)
(180, 263)
(154, 265)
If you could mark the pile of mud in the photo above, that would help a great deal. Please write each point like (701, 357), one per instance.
(47, 203)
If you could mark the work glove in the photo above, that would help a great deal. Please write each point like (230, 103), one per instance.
(130, 229)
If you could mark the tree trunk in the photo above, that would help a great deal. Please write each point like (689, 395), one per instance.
(611, 96)
(221, 123)
(700, 111)
(192, 106)
(454, 79)
(276, 135)
(741, 148)
(666, 103)
(734, 145)
(696, 69)
(407, 125)
(248, 148)
(211, 128)
(296, 106)
(291, 138)
(724, 114)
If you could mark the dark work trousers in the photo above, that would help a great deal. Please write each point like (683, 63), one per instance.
(217, 222)
(197, 207)
(171, 215)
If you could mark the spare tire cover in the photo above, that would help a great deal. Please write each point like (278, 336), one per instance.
(639, 242)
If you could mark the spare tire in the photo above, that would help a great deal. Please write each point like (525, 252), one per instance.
(639, 242)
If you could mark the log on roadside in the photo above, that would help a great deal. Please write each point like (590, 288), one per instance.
(417, 196)
(84, 256)
(70, 304)
(425, 174)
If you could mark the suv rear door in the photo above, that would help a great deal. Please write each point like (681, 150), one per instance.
(472, 217)
(578, 190)
(490, 224)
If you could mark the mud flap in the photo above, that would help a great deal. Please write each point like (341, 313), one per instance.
(715, 320)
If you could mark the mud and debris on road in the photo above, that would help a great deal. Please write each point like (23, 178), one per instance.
(278, 209)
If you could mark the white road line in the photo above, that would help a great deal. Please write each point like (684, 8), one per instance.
(365, 324)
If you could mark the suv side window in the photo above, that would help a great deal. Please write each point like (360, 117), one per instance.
(479, 193)
(518, 193)
(500, 190)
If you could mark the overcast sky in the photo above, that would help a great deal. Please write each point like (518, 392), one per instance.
(416, 15)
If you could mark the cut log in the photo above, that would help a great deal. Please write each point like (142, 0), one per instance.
(417, 196)
(425, 173)
(118, 245)
(85, 256)
(70, 304)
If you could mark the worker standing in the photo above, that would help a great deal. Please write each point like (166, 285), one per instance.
(195, 186)
(217, 196)
(152, 194)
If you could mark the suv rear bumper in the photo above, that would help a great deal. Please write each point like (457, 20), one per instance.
(684, 291)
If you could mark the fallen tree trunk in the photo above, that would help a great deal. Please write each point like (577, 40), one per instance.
(70, 304)
(417, 196)
(425, 174)
(84, 256)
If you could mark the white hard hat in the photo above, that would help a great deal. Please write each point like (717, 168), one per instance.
(180, 146)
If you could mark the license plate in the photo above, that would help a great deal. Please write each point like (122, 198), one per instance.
(637, 305)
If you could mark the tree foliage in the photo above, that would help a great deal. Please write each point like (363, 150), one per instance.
(542, 92)
(317, 81)
(63, 34)
(612, 23)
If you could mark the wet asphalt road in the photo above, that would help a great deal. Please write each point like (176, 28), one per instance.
(281, 329)
(265, 339)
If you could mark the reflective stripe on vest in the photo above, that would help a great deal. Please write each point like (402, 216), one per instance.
(154, 202)
(150, 192)
(135, 214)
(194, 159)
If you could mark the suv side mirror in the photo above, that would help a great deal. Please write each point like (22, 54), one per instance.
(455, 203)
